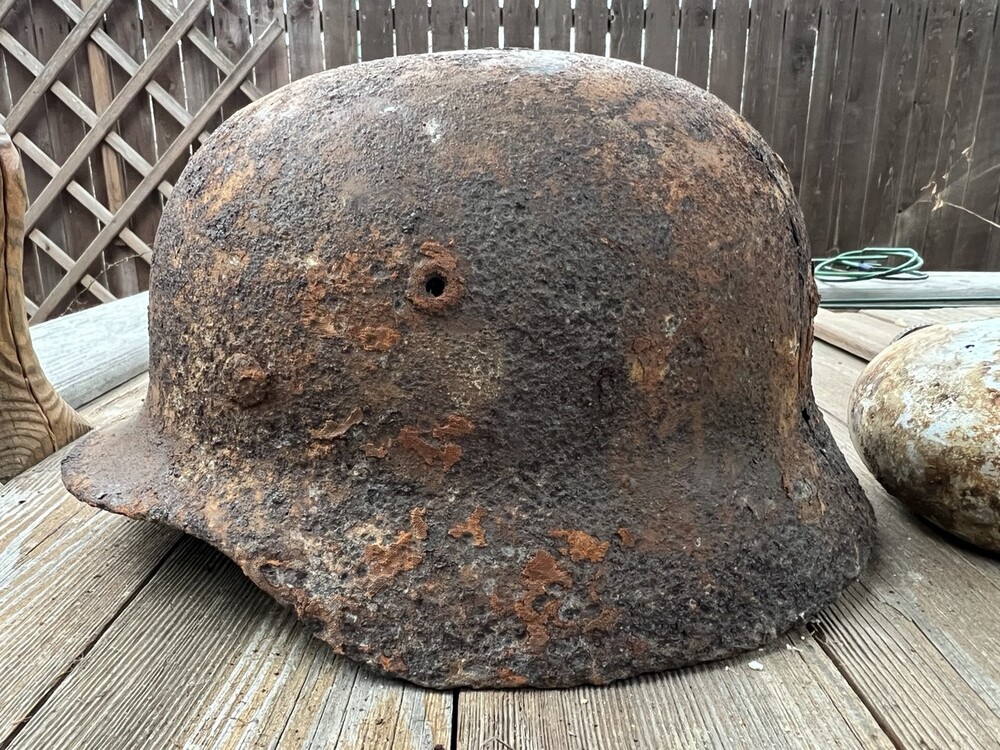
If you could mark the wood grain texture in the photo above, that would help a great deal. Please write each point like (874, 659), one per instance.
(798, 700)
(305, 49)
(519, 23)
(483, 20)
(695, 41)
(271, 71)
(34, 420)
(662, 23)
(555, 19)
(590, 22)
(860, 115)
(231, 669)
(626, 30)
(791, 107)
(982, 191)
(411, 27)
(729, 44)
(817, 192)
(86, 354)
(897, 92)
(340, 31)
(375, 23)
(57, 593)
(937, 46)
(764, 50)
(447, 25)
(956, 147)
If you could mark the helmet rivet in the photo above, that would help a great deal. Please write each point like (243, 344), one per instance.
(247, 379)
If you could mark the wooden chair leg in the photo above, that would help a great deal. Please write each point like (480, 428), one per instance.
(34, 419)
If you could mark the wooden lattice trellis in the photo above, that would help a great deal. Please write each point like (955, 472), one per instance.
(106, 192)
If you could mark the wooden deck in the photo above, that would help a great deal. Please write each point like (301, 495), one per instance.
(122, 634)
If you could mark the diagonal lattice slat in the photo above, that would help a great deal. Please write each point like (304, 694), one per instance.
(77, 79)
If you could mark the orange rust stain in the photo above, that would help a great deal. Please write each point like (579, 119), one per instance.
(538, 574)
(394, 664)
(376, 451)
(332, 430)
(378, 338)
(385, 562)
(472, 526)
(626, 536)
(455, 426)
(449, 454)
(542, 570)
(509, 678)
(418, 523)
(581, 545)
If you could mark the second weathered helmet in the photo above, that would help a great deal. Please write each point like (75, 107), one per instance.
(496, 367)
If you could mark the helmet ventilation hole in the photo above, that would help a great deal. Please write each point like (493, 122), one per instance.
(435, 285)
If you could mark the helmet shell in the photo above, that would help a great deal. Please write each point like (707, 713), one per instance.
(496, 366)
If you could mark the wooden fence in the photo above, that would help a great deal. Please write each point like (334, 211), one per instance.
(887, 112)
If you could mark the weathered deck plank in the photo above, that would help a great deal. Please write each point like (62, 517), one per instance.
(797, 700)
(65, 571)
(233, 669)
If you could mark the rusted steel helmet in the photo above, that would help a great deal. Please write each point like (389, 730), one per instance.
(495, 366)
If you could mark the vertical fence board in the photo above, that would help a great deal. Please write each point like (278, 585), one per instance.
(591, 26)
(51, 26)
(136, 124)
(447, 25)
(626, 29)
(729, 46)
(232, 37)
(957, 136)
(695, 42)
(519, 23)
(899, 77)
(555, 19)
(271, 72)
(305, 45)
(764, 47)
(375, 23)
(861, 111)
(826, 120)
(788, 134)
(122, 277)
(926, 121)
(483, 19)
(340, 32)
(201, 77)
(972, 236)
(411, 27)
(662, 22)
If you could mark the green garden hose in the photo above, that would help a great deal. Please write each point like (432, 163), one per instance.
(865, 264)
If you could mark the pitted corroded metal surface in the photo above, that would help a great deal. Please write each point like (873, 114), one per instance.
(496, 367)
(925, 417)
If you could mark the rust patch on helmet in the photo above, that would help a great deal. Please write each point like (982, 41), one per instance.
(393, 664)
(418, 522)
(628, 540)
(376, 451)
(333, 429)
(247, 380)
(507, 677)
(535, 608)
(435, 284)
(378, 338)
(455, 426)
(472, 526)
(385, 562)
(448, 454)
(581, 545)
